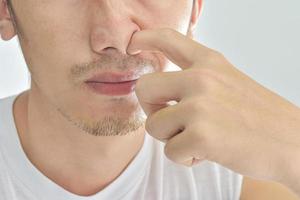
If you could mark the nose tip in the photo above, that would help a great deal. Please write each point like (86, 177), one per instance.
(113, 36)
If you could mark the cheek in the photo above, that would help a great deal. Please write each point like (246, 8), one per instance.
(53, 44)
(59, 38)
(167, 13)
(50, 25)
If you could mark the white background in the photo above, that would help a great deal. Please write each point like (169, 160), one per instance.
(261, 38)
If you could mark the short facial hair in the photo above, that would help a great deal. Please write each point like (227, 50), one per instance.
(110, 125)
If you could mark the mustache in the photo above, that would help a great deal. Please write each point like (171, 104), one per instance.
(115, 62)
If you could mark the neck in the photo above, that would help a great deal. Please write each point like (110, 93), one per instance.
(73, 157)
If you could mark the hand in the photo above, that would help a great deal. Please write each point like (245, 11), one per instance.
(222, 115)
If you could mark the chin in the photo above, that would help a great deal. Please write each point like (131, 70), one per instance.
(117, 107)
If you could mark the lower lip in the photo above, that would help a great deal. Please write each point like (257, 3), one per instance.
(112, 89)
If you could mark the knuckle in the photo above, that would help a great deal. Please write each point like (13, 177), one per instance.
(214, 57)
(166, 32)
(196, 106)
(194, 78)
(199, 134)
(198, 111)
(199, 141)
(206, 73)
(206, 79)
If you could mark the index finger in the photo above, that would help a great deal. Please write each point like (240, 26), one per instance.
(179, 48)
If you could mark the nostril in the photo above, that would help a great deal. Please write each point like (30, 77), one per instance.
(109, 49)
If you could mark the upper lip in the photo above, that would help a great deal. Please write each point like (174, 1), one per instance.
(113, 77)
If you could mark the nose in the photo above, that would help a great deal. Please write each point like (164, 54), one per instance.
(112, 29)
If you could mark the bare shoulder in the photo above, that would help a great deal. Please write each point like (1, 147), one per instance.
(265, 190)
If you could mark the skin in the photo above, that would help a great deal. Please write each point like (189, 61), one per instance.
(59, 37)
(225, 117)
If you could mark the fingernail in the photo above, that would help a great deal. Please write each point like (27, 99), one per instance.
(133, 52)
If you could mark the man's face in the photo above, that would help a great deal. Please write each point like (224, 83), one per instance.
(66, 42)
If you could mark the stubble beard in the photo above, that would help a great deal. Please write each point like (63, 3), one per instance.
(108, 125)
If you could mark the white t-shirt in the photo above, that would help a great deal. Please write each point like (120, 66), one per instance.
(150, 175)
